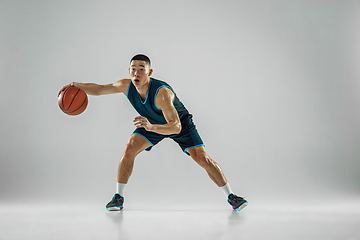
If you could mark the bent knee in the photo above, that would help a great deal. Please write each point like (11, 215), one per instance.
(131, 150)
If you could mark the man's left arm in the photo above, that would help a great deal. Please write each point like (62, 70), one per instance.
(163, 100)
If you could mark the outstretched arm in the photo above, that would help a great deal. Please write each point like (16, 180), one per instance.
(97, 89)
(164, 101)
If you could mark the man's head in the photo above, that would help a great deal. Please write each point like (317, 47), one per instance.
(142, 57)
(140, 69)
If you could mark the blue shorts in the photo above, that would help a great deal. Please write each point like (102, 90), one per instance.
(187, 138)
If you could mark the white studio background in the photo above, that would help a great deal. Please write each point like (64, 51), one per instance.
(273, 87)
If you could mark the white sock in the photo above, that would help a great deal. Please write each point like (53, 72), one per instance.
(120, 188)
(227, 189)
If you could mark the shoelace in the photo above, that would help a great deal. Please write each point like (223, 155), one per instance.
(115, 198)
(235, 198)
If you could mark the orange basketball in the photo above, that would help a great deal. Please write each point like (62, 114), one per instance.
(72, 100)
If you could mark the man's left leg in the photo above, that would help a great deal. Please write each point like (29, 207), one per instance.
(211, 167)
(216, 174)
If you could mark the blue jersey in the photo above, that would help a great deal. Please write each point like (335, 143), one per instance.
(148, 108)
(187, 138)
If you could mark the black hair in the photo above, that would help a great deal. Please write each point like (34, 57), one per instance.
(141, 57)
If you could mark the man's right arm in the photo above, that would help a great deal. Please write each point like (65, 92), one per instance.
(97, 89)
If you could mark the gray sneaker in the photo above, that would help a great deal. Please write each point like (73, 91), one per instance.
(116, 203)
(236, 202)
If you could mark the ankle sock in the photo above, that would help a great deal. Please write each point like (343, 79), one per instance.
(120, 188)
(226, 189)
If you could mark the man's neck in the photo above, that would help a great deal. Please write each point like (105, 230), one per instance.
(143, 90)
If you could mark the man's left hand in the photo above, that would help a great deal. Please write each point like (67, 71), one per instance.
(142, 122)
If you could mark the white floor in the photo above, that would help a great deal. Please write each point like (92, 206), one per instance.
(254, 222)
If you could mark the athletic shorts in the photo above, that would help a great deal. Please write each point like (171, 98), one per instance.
(187, 138)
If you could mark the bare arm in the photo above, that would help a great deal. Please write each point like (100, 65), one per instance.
(164, 101)
(97, 89)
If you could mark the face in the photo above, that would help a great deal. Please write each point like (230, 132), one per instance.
(139, 72)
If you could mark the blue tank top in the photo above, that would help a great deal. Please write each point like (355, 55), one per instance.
(148, 107)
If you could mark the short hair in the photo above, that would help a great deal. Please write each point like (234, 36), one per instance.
(141, 57)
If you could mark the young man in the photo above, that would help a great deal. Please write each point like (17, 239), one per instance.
(162, 115)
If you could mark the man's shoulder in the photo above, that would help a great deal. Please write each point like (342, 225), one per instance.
(165, 90)
(122, 82)
(122, 85)
(159, 84)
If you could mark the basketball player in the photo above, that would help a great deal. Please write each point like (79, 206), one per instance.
(162, 115)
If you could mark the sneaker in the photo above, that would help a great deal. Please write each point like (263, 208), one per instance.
(236, 202)
(116, 203)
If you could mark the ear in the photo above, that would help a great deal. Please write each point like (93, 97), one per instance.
(150, 72)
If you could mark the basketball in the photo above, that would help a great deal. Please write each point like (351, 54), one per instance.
(72, 100)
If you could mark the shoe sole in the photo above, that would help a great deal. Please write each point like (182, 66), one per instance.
(241, 206)
(115, 208)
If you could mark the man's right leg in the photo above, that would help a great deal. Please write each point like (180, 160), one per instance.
(136, 145)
